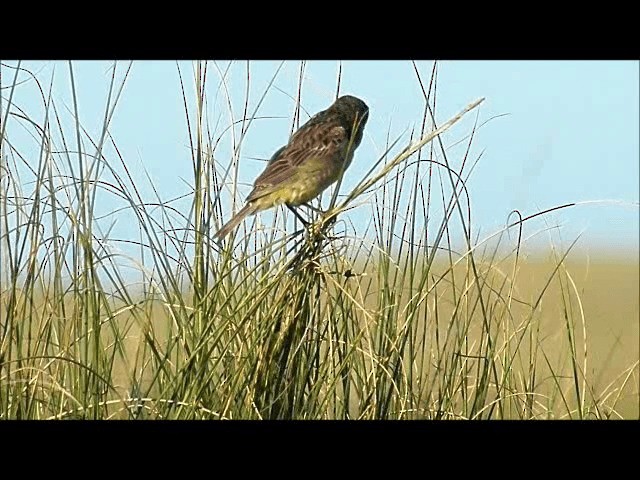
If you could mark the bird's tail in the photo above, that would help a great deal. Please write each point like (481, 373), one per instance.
(248, 209)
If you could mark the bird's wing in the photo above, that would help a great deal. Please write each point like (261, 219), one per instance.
(318, 141)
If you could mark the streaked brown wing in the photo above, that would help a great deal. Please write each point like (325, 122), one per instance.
(322, 140)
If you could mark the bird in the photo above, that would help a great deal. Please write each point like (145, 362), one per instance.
(315, 157)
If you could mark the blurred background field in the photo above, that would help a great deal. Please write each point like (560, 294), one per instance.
(608, 287)
(607, 314)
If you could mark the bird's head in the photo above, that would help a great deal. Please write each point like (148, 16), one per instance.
(354, 112)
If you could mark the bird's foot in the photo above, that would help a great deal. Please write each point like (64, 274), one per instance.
(298, 216)
(315, 209)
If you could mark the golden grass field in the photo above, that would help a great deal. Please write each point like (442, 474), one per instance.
(607, 288)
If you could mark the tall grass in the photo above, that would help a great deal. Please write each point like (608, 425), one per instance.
(279, 322)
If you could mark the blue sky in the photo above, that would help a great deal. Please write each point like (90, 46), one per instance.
(571, 133)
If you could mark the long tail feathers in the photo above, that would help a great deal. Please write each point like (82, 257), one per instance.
(248, 209)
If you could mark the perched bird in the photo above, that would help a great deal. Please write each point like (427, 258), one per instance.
(315, 157)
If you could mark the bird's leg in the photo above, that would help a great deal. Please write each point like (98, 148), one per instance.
(321, 213)
(321, 222)
(315, 209)
(295, 212)
(316, 227)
